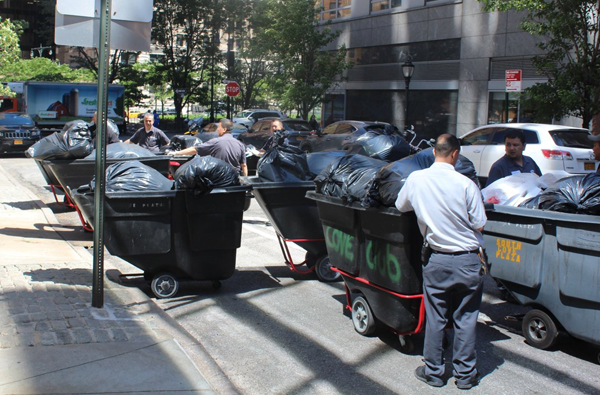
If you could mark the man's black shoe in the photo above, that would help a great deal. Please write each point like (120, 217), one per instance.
(469, 384)
(420, 374)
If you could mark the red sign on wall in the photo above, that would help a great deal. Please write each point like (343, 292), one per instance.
(513, 80)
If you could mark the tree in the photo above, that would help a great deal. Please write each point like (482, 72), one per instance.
(9, 50)
(44, 69)
(182, 28)
(88, 58)
(569, 32)
(301, 71)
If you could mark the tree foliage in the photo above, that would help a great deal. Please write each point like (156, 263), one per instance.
(182, 29)
(301, 73)
(569, 32)
(44, 69)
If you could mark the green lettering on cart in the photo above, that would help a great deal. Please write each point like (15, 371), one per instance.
(340, 242)
(380, 259)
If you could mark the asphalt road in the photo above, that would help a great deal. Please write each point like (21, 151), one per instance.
(273, 331)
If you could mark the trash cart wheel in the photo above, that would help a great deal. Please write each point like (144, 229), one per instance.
(323, 270)
(539, 329)
(164, 285)
(406, 344)
(362, 317)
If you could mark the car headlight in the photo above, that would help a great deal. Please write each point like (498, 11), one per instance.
(35, 133)
(1, 134)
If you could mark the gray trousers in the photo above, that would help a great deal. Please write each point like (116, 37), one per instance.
(452, 286)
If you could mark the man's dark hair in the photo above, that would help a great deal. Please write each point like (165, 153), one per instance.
(515, 134)
(226, 124)
(446, 144)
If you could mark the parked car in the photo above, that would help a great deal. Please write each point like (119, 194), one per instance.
(17, 132)
(557, 149)
(210, 131)
(249, 117)
(341, 135)
(297, 131)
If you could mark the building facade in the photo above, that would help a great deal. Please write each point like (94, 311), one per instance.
(460, 53)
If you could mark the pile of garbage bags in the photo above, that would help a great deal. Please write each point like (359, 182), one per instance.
(204, 173)
(124, 151)
(134, 176)
(284, 163)
(182, 141)
(574, 194)
(378, 145)
(73, 142)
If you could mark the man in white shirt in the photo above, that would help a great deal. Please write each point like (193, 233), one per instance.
(451, 217)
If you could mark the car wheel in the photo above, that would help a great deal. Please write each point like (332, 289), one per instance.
(306, 148)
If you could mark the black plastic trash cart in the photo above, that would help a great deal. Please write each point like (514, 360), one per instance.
(550, 261)
(295, 219)
(377, 251)
(173, 235)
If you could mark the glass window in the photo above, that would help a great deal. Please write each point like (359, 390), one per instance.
(380, 5)
(299, 125)
(333, 9)
(531, 137)
(330, 129)
(480, 137)
(345, 128)
(426, 51)
(572, 138)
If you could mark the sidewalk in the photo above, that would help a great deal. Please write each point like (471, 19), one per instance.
(53, 342)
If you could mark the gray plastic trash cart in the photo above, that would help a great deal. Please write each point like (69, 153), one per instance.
(549, 261)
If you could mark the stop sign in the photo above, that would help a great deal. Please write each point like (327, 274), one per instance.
(232, 89)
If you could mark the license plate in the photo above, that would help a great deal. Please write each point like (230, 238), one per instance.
(589, 166)
(299, 138)
(18, 142)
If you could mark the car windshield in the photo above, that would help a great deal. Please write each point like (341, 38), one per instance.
(15, 119)
(300, 126)
(572, 138)
(244, 114)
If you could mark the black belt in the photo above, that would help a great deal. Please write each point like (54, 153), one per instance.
(457, 253)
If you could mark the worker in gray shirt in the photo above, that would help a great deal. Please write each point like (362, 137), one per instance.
(451, 217)
(225, 147)
(149, 137)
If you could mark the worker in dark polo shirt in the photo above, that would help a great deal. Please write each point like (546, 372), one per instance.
(149, 137)
(225, 147)
(513, 162)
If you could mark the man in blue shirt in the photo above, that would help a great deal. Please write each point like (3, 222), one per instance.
(149, 136)
(513, 162)
(225, 147)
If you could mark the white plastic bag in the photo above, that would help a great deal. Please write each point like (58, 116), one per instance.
(513, 190)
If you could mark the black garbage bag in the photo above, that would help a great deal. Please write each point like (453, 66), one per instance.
(348, 177)
(317, 161)
(124, 151)
(387, 147)
(284, 163)
(203, 173)
(134, 176)
(73, 142)
(576, 194)
(182, 141)
(390, 179)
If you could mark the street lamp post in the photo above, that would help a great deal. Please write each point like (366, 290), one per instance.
(408, 69)
(40, 51)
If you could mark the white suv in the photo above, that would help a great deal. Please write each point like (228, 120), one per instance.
(249, 117)
(556, 149)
